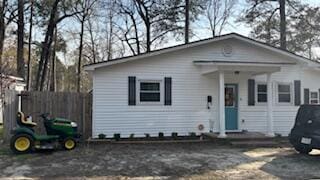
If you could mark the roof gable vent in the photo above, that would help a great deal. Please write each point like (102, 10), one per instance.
(227, 50)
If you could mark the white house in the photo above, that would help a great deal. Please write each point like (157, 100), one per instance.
(224, 84)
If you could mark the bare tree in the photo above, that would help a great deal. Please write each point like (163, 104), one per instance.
(29, 47)
(283, 24)
(92, 41)
(187, 22)
(46, 45)
(54, 19)
(53, 84)
(265, 10)
(218, 13)
(2, 30)
(110, 32)
(8, 14)
(20, 48)
(85, 10)
(131, 23)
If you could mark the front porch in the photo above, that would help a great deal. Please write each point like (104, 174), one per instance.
(228, 96)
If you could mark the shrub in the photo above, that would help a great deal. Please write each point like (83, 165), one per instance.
(147, 135)
(192, 134)
(102, 136)
(131, 136)
(161, 135)
(174, 135)
(117, 137)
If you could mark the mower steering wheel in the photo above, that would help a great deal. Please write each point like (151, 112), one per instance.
(44, 115)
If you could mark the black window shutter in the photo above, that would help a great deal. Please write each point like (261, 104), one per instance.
(131, 90)
(251, 92)
(306, 96)
(167, 91)
(297, 92)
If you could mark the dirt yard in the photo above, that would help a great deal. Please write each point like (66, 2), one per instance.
(162, 161)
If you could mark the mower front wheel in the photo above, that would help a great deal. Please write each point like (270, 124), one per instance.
(21, 143)
(69, 143)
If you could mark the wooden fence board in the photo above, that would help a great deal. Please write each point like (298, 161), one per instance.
(11, 102)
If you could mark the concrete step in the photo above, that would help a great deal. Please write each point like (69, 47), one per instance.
(251, 136)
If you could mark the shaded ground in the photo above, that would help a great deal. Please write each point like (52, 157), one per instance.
(163, 161)
(1, 132)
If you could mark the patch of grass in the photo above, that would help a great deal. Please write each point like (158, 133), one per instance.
(4, 151)
(23, 157)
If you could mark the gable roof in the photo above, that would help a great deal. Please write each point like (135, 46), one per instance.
(93, 66)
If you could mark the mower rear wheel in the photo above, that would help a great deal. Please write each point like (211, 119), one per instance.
(69, 143)
(21, 143)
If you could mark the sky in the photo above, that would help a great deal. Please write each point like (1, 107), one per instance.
(200, 29)
(238, 27)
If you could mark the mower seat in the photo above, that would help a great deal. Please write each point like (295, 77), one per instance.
(23, 121)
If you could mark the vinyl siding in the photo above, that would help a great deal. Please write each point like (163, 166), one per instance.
(112, 114)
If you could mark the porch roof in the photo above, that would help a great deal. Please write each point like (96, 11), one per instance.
(244, 63)
(251, 67)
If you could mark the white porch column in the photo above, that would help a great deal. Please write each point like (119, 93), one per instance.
(270, 131)
(222, 133)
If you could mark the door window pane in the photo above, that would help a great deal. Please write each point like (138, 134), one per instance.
(229, 96)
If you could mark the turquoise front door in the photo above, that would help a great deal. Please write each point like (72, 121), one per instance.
(231, 106)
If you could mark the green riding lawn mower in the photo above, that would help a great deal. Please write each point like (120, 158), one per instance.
(60, 132)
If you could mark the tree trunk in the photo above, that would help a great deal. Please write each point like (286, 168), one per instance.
(46, 45)
(53, 86)
(93, 47)
(135, 33)
(29, 76)
(148, 31)
(186, 29)
(20, 60)
(110, 35)
(80, 54)
(2, 30)
(283, 38)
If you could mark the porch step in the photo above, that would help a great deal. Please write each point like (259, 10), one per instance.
(247, 136)
(259, 143)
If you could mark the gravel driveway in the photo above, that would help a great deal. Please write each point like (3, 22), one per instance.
(162, 161)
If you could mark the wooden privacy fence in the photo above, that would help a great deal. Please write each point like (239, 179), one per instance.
(10, 109)
(74, 106)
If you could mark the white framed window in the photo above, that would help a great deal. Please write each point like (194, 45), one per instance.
(314, 97)
(261, 92)
(284, 93)
(150, 91)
